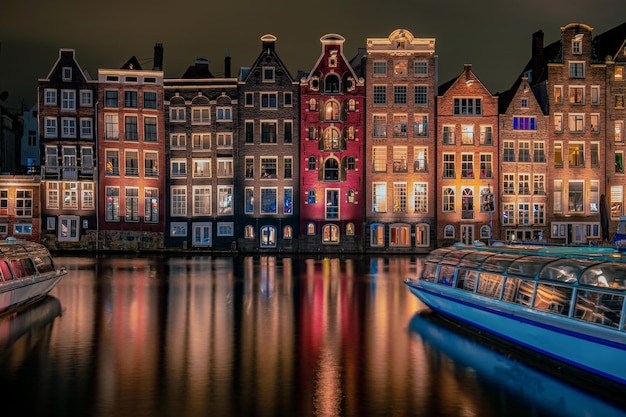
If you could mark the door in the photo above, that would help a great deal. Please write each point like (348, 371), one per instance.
(467, 234)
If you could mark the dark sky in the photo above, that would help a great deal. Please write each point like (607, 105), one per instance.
(493, 35)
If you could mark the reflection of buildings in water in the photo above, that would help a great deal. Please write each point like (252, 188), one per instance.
(530, 386)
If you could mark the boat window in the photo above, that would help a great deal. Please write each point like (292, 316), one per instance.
(553, 298)
(608, 274)
(597, 307)
(466, 280)
(447, 274)
(27, 265)
(475, 259)
(18, 268)
(43, 264)
(430, 272)
(489, 284)
(565, 270)
(437, 255)
(510, 289)
(498, 263)
(528, 266)
(6, 272)
(453, 257)
(525, 291)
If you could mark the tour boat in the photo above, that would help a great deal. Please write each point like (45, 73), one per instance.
(27, 273)
(566, 303)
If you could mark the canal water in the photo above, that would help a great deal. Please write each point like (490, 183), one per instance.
(258, 336)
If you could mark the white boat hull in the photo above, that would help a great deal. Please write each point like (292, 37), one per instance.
(588, 347)
(23, 291)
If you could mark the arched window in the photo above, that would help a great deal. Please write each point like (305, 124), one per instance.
(331, 111)
(351, 196)
(268, 236)
(249, 232)
(484, 232)
(350, 229)
(312, 163)
(312, 104)
(331, 84)
(448, 232)
(287, 232)
(467, 203)
(448, 199)
(331, 169)
(310, 229)
(330, 234)
(331, 139)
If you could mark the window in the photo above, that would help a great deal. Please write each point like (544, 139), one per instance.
(400, 159)
(448, 231)
(509, 151)
(268, 236)
(399, 235)
(448, 135)
(595, 154)
(558, 196)
(4, 199)
(577, 69)
(379, 155)
(539, 214)
(86, 159)
(467, 106)
(400, 125)
(467, 134)
(131, 163)
(178, 229)
(523, 184)
(312, 105)
(224, 114)
(576, 152)
(616, 201)
(331, 139)
(288, 131)
(486, 165)
(179, 201)
(112, 204)
(558, 154)
(524, 151)
(269, 200)
(132, 204)
(249, 99)
(539, 181)
(150, 100)
(380, 125)
(225, 199)
(350, 163)
(331, 169)
(332, 204)
(249, 200)
(130, 99)
(399, 94)
(130, 128)
(202, 168)
(380, 67)
(467, 165)
(111, 127)
(331, 84)
(330, 234)
(268, 74)
(151, 205)
(86, 128)
(202, 141)
(508, 213)
(179, 168)
(311, 197)
(448, 165)
(269, 101)
(377, 235)
(287, 99)
(249, 131)
(68, 125)
(379, 197)
(524, 123)
(539, 154)
(486, 135)
(595, 94)
(421, 94)
(595, 122)
(558, 94)
(112, 162)
(619, 131)
(448, 200)
(577, 47)
(575, 197)
(268, 132)
(177, 114)
(420, 159)
(269, 167)
(50, 127)
(524, 103)
(288, 200)
(288, 167)
(558, 122)
(310, 229)
(311, 163)
(50, 97)
(87, 196)
(224, 140)
(68, 100)
(379, 94)
(420, 68)
(150, 129)
(577, 95)
(619, 101)
(619, 162)
(331, 112)
(618, 74)
(420, 197)
(200, 115)
(523, 213)
(52, 159)
(151, 166)
(508, 184)
(594, 196)
(399, 197)
(420, 126)
(178, 141)
(224, 168)
(23, 203)
(111, 98)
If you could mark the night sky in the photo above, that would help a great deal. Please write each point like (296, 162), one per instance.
(493, 35)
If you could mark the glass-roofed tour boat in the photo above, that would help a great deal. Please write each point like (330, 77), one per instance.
(27, 273)
(566, 303)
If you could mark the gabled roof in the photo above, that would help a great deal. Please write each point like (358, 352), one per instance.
(443, 88)
(65, 53)
(132, 64)
(610, 42)
(268, 41)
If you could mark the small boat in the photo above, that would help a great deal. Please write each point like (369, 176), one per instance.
(566, 306)
(27, 273)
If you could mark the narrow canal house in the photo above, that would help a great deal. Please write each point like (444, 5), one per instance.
(401, 86)
(67, 99)
(201, 122)
(467, 168)
(131, 156)
(332, 149)
(268, 162)
(524, 129)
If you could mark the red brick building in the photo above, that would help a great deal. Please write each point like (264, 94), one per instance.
(331, 152)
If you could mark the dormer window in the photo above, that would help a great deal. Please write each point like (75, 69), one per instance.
(67, 74)
(268, 74)
(331, 84)
(577, 46)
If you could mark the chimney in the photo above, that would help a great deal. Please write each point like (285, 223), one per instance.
(227, 64)
(537, 56)
(158, 57)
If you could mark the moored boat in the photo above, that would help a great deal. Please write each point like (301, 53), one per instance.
(565, 304)
(27, 273)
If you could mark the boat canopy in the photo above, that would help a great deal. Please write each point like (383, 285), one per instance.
(585, 268)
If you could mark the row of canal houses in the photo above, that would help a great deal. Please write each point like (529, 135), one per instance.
(368, 154)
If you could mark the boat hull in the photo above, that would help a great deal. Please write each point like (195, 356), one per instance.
(586, 347)
(17, 293)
